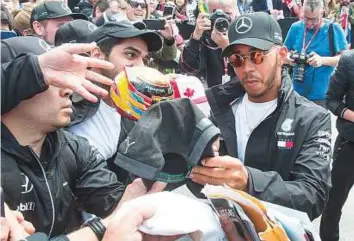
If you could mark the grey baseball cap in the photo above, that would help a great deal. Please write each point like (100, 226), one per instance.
(258, 30)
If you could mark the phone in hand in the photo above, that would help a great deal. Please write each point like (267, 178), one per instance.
(154, 24)
(169, 11)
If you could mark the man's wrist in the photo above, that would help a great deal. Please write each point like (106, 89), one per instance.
(169, 41)
(196, 36)
(97, 226)
(348, 115)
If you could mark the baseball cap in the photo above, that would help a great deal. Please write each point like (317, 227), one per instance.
(110, 16)
(75, 31)
(52, 10)
(12, 47)
(125, 29)
(259, 30)
(170, 138)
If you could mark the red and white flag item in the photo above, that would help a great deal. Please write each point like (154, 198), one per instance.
(190, 87)
(286, 144)
(344, 19)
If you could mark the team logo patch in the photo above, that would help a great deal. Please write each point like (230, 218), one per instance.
(243, 25)
(287, 124)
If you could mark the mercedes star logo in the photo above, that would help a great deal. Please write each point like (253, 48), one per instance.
(243, 25)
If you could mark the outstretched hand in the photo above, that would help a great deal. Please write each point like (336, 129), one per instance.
(63, 67)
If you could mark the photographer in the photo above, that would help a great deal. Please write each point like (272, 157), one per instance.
(315, 55)
(201, 56)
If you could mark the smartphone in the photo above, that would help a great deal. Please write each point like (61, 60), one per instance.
(169, 11)
(154, 24)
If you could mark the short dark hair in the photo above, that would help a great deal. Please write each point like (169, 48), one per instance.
(106, 45)
(102, 5)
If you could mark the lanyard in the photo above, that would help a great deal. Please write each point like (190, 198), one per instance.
(304, 39)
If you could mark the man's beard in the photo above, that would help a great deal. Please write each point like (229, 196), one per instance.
(269, 82)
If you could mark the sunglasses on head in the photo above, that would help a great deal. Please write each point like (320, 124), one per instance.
(256, 57)
(135, 4)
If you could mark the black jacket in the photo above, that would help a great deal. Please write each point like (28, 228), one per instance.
(296, 176)
(340, 94)
(75, 177)
(196, 59)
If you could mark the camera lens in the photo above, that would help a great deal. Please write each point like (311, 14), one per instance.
(221, 25)
(300, 72)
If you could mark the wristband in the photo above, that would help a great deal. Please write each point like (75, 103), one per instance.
(97, 227)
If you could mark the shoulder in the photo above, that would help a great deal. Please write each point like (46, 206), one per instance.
(346, 63)
(74, 141)
(297, 25)
(310, 113)
(84, 153)
(347, 57)
(337, 28)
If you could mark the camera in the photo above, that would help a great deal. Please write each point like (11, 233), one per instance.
(220, 21)
(301, 60)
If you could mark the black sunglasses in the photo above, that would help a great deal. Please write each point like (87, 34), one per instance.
(135, 4)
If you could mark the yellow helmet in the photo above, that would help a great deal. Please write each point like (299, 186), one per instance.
(136, 88)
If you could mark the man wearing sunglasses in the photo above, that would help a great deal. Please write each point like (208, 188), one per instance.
(321, 44)
(275, 144)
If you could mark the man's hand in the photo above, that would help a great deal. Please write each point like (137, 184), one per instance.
(221, 170)
(289, 60)
(220, 39)
(137, 189)
(64, 68)
(315, 60)
(167, 33)
(203, 23)
(28, 227)
(17, 226)
(124, 223)
(5, 229)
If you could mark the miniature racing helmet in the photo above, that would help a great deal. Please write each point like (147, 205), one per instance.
(137, 88)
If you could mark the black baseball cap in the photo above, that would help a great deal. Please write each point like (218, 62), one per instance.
(125, 29)
(170, 138)
(12, 47)
(259, 30)
(75, 31)
(52, 10)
